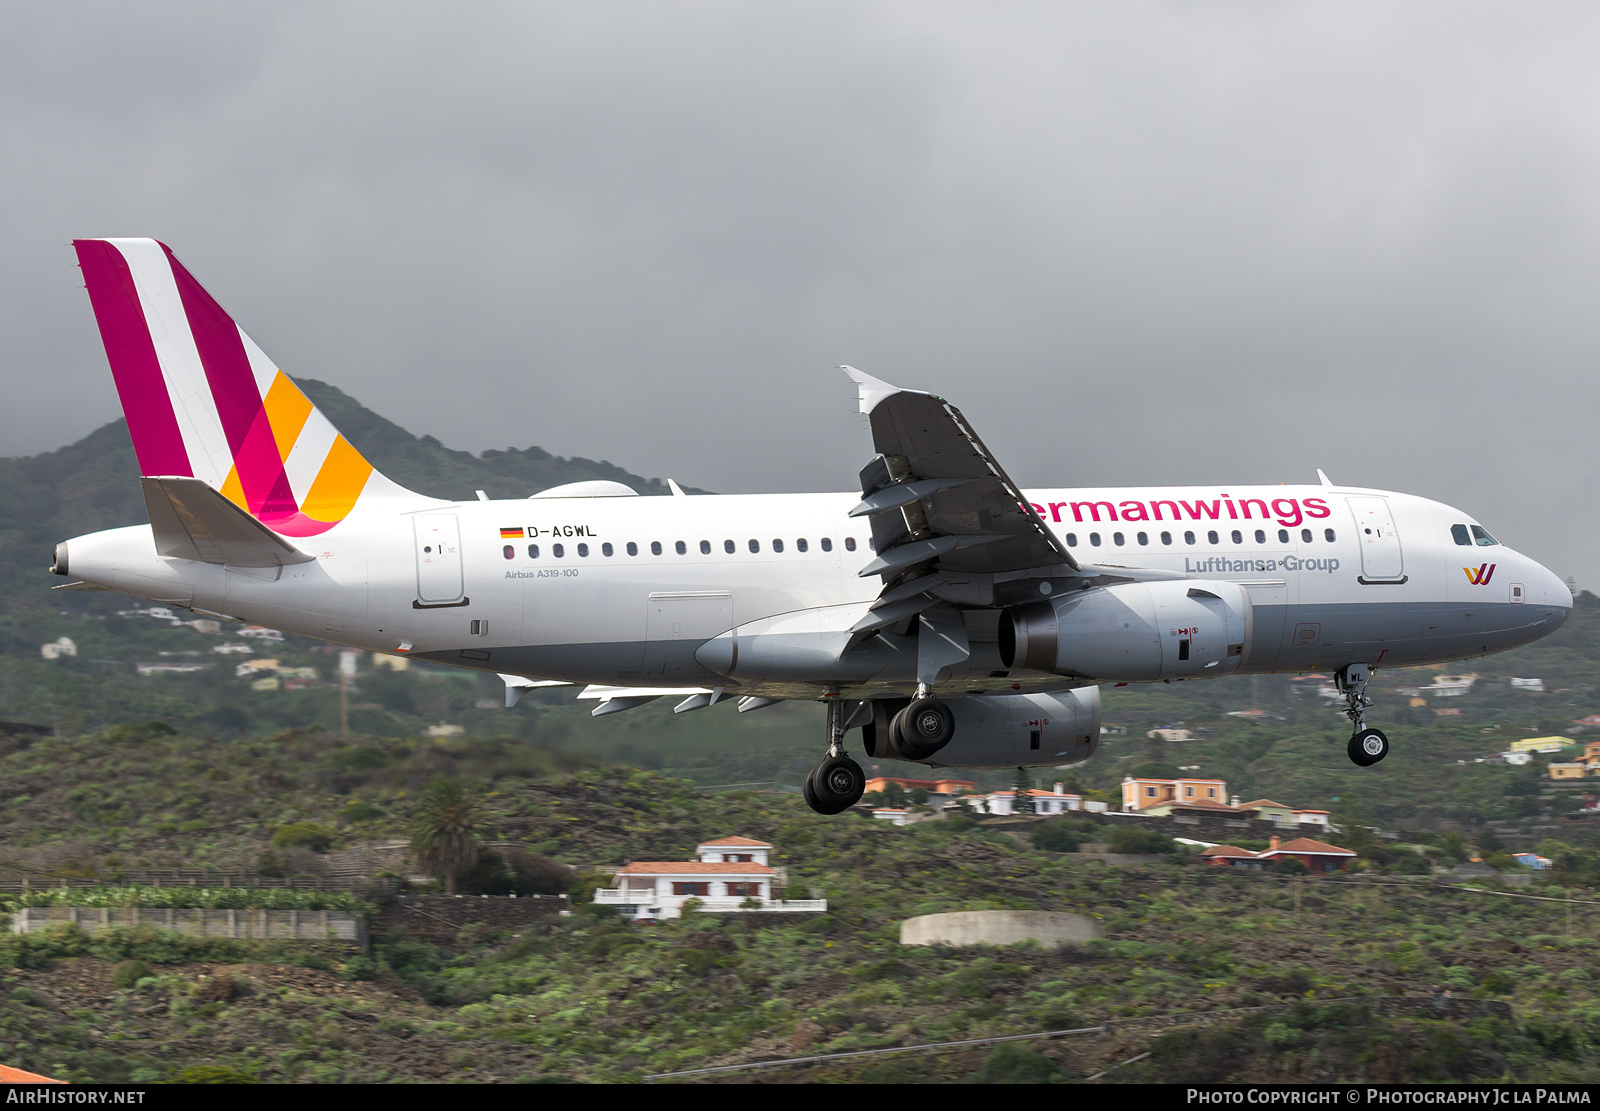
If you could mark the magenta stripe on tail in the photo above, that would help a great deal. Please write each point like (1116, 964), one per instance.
(233, 388)
(134, 366)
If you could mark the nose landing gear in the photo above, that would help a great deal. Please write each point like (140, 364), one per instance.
(836, 784)
(1367, 746)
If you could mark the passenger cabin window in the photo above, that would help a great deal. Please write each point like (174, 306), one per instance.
(558, 550)
(1238, 537)
(1261, 537)
(777, 545)
(1462, 536)
(510, 551)
(1212, 536)
(681, 547)
(827, 544)
(633, 549)
(655, 547)
(705, 547)
(583, 550)
(1327, 534)
(1143, 538)
(1117, 539)
(1188, 538)
(729, 546)
(605, 549)
(799, 545)
(1166, 537)
(533, 551)
(755, 546)
(1481, 535)
(1094, 538)
(1072, 540)
(1305, 536)
(849, 543)
(1283, 536)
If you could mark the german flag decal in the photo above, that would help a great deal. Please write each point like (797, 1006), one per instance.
(511, 534)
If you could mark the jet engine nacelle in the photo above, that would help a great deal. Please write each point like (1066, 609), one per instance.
(1134, 632)
(1003, 731)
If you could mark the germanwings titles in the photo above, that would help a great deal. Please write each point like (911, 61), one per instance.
(953, 618)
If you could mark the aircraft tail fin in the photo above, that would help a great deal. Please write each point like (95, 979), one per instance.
(204, 402)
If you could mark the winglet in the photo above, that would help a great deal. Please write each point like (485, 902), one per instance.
(870, 390)
(1322, 478)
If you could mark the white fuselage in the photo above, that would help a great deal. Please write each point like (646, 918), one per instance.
(625, 590)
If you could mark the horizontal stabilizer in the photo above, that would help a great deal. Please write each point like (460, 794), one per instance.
(192, 521)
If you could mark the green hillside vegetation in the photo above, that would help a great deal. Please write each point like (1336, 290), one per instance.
(590, 998)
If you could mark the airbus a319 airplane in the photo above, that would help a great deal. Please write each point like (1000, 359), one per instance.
(956, 619)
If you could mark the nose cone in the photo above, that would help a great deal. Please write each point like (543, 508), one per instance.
(1557, 598)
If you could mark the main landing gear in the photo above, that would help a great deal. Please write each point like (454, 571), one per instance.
(1367, 746)
(836, 784)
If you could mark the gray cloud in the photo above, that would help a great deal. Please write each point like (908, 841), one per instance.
(1135, 243)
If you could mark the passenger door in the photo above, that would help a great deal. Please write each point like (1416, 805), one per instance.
(438, 559)
(1381, 557)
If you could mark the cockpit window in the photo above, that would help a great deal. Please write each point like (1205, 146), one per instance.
(1482, 537)
(1463, 537)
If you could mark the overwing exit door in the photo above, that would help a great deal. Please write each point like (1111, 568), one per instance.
(1381, 557)
(438, 559)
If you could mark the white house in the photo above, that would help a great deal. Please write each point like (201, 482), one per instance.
(256, 632)
(1056, 801)
(63, 646)
(1527, 684)
(731, 875)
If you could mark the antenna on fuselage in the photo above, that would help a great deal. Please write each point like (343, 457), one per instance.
(1322, 478)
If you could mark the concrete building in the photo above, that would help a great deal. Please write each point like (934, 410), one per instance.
(1140, 794)
(1543, 744)
(58, 648)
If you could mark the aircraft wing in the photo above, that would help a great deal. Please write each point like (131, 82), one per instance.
(937, 499)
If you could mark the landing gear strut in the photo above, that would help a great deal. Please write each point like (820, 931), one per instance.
(836, 784)
(1367, 746)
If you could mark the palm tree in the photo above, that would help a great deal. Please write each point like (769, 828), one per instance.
(443, 830)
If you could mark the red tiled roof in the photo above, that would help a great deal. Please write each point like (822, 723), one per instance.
(10, 1075)
(1226, 850)
(1307, 845)
(692, 867)
(736, 841)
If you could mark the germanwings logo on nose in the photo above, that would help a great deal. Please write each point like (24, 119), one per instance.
(1480, 576)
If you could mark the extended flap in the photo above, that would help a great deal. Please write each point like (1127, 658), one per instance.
(192, 521)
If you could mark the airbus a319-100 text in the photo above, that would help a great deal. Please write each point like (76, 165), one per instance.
(952, 617)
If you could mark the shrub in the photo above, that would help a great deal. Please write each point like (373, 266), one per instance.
(1280, 1034)
(1289, 866)
(128, 973)
(1132, 839)
(303, 835)
(359, 968)
(1057, 836)
(1011, 1063)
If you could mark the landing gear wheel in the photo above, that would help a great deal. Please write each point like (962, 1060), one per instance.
(923, 728)
(837, 784)
(1368, 747)
(810, 794)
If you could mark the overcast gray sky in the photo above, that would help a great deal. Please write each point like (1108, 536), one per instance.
(1134, 242)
